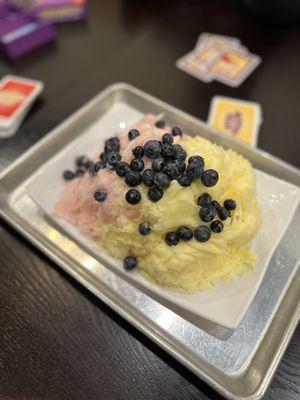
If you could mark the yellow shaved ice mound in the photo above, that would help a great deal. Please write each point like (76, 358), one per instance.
(192, 265)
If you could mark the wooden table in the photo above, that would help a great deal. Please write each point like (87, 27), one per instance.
(57, 341)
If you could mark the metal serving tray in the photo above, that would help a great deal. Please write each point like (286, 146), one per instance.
(240, 367)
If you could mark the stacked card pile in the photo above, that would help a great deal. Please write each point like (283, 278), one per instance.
(221, 58)
(16, 98)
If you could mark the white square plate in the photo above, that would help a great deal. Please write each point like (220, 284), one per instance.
(224, 305)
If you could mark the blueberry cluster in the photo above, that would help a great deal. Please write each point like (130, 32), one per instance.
(183, 233)
(202, 234)
(83, 164)
(168, 163)
(209, 210)
(110, 157)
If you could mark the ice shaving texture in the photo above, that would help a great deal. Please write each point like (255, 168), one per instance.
(190, 265)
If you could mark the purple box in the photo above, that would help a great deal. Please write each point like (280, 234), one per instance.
(22, 32)
(56, 10)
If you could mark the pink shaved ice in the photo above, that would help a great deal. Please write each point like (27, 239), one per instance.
(76, 204)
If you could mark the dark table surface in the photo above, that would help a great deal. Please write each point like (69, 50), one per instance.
(58, 341)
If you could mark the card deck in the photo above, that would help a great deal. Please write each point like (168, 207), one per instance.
(7, 132)
(238, 118)
(16, 96)
(221, 58)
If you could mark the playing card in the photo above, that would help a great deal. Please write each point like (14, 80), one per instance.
(238, 118)
(194, 66)
(209, 38)
(210, 52)
(234, 66)
(16, 96)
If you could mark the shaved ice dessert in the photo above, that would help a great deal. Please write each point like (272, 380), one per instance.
(181, 210)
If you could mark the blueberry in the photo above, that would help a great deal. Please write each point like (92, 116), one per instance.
(80, 171)
(96, 168)
(184, 180)
(172, 169)
(101, 164)
(133, 178)
(158, 164)
(82, 161)
(216, 205)
(68, 175)
(180, 153)
(184, 233)
(152, 149)
(194, 170)
(100, 195)
(112, 144)
(129, 263)
(155, 194)
(162, 180)
(89, 165)
(180, 164)
(176, 131)
(202, 233)
(138, 151)
(144, 228)
(207, 213)
(167, 150)
(216, 226)
(160, 124)
(148, 177)
(137, 164)
(223, 213)
(133, 196)
(197, 159)
(209, 178)
(230, 204)
(103, 157)
(167, 139)
(122, 168)
(113, 158)
(133, 133)
(172, 239)
(204, 200)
